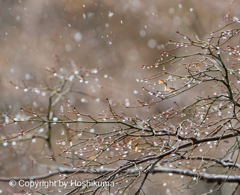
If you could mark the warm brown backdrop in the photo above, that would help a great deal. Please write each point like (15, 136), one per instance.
(117, 36)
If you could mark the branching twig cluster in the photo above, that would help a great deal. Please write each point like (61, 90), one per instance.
(186, 140)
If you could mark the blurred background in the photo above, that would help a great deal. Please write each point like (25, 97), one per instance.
(116, 36)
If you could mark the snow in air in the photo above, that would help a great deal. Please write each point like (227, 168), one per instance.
(68, 47)
(142, 33)
(171, 10)
(110, 14)
(78, 36)
(27, 76)
(152, 43)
